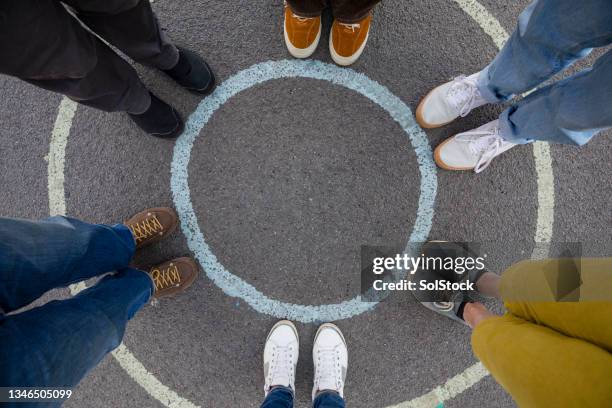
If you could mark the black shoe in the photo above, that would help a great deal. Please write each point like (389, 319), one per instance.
(160, 120)
(192, 73)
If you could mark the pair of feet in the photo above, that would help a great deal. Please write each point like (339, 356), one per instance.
(151, 226)
(329, 355)
(346, 41)
(472, 150)
(193, 74)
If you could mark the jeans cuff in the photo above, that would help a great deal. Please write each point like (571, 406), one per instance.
(483, 86)
(506, 128)
(126, 236)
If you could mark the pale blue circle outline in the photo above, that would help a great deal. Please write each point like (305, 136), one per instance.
(235, 286)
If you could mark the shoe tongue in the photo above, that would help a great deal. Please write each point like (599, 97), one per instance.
(327, 373)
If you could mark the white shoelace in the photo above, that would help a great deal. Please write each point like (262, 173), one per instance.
(353, 26)
(486, 144)
(302, 19)
(328, 372)
(281, 366)
(463, 95)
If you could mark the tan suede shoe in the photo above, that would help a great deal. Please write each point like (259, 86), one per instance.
(173, 276)
(152, 225)
(347, 41)
(302, 34)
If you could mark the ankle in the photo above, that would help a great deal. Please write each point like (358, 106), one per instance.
(181, 68)
(474, 313)
(488, 284)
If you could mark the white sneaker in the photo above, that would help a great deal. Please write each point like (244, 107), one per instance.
(330, 357)
(281, 356)
(449, 101)
(473, 150)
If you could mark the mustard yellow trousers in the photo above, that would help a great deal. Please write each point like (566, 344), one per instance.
(548, 352)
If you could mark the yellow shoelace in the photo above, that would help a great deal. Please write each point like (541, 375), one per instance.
(146, 228)
(166, 278)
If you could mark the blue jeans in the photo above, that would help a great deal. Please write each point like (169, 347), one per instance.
(282, 397)
(552, 35)
(56, 344)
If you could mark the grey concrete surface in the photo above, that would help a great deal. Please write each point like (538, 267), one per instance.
(288, 179)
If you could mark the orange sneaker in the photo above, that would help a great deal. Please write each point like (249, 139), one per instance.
(347, 41)
(302, 34)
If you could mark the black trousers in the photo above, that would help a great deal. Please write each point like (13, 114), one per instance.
(345, 11)
(41, 43)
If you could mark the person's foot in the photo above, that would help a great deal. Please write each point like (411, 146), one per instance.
(302, 34)
(449, 101)
(330, 357)
(173, 276)
(152, 225)
(449, 303)
(280, 356)
(159, 120)
(192, 72)
(473, 150)
(347, 41)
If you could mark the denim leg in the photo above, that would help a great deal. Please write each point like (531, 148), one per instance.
(57, 344)
(551, 35)
(571, 111)
(328, 399)
(279, 397)
(36, 256)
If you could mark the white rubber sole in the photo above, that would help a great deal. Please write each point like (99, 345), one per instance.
(345, 61)
(301, 52)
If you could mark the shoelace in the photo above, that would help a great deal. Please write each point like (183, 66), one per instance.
(328, 371)
(352, 27)
(281, 366)
(166, 278)
(463, 95)
(302, 19)
(146, 228)
(485, 143)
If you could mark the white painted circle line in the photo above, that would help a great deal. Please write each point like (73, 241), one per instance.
(233, 285)
(452, 387)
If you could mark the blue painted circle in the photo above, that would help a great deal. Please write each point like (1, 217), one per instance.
(235, 286)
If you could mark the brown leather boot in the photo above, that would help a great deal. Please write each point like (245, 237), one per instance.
(173, 276)
(347, 41)
(152, 225)
(302, 34)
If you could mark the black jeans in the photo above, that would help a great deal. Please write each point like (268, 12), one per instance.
(41, 43)
(345, 11)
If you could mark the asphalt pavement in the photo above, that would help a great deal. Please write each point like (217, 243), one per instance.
(288, 179)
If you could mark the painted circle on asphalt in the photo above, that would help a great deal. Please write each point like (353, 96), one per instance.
(235, 286)
(449, 389)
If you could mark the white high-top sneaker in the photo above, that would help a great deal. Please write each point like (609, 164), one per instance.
(473, 150)
(330, 357)
(449, 101)
(281, 356)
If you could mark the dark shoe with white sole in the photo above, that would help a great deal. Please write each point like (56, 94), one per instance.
(447, 302)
